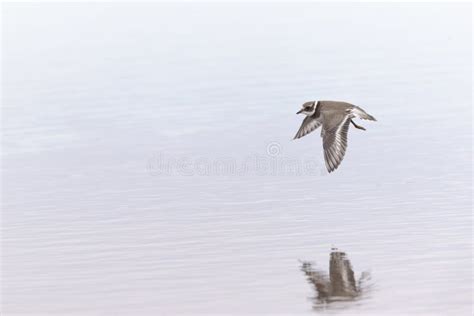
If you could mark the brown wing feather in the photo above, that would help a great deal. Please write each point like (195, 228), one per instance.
(309, 124)
(335, 141)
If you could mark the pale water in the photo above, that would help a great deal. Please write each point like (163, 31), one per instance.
(148, 167)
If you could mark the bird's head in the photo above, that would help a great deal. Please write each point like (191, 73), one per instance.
(308, 108)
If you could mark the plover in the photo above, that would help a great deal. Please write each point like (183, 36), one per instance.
(335, 117)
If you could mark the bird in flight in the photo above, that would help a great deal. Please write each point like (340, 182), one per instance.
(335, 118)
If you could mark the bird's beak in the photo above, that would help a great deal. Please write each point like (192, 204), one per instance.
(300, 111)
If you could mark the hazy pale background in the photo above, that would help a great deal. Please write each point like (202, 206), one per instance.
(97, 96)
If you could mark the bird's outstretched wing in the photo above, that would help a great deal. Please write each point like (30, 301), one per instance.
(334, 134)
(309, 124)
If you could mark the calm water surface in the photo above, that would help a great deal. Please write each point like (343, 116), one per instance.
(148, 167)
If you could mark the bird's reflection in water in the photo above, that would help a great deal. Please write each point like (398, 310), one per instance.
(340, 289)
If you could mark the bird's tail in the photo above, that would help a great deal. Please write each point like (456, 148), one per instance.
(359, 112)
